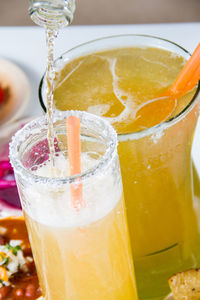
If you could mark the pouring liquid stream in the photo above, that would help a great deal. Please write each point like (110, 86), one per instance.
(51, 34)
(52, 15)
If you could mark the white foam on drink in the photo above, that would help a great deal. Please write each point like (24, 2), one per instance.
(52, 207)
(129, 105)
(99, 109)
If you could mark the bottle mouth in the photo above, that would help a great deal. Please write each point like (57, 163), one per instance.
(49, 18)
(51, 15)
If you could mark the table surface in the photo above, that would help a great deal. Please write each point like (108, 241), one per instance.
(26, 47)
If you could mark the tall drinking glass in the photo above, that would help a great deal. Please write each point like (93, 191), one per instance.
(81, 251)
(113, 77)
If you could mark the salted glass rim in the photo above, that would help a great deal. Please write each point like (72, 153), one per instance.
(147, 131)
(107, 132)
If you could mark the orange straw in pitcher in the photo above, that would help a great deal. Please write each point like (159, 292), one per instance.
(74, 153)
(188, 77)
(185, 82)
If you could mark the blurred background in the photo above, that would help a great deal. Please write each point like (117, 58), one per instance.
(14, 12)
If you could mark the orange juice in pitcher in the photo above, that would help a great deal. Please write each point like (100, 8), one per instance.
(122, 79)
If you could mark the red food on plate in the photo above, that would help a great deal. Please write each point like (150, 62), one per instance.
(1, 95)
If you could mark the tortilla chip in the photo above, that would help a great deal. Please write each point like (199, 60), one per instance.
(186, 285)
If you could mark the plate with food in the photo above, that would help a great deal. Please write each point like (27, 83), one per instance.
(18, 277)
(14, 92)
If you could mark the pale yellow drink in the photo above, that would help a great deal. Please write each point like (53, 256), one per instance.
(83, 251)
(86, 262)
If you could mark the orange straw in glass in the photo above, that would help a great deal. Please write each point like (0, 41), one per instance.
(74, 153)
(188, 77)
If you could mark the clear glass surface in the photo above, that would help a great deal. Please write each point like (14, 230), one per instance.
(86, 245)
(161, 179)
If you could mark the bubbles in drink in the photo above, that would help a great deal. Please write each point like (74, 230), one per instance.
(99, 198)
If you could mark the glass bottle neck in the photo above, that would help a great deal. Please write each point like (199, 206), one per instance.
(52, 14)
